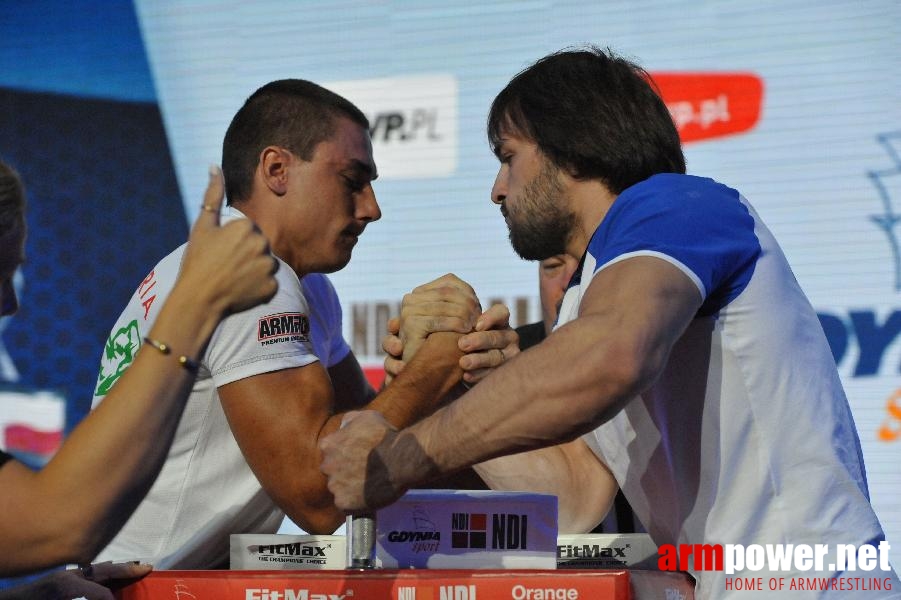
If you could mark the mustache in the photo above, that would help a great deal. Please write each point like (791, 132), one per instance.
(356, 230)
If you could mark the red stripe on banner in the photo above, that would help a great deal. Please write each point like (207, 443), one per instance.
(22, 438)
(390, 585)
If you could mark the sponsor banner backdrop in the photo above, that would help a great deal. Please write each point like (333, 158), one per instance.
(413, 121)
(797, 105)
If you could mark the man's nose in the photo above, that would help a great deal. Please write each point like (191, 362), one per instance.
(368, 207)
(499, 189)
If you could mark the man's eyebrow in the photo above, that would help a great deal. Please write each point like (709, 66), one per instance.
(499, 146)
(366, 168)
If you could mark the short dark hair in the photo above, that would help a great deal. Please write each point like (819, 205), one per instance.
(291, 113)
(592, 113)
(12, 200)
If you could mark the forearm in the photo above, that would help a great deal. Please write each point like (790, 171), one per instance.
(414, 394)
(110, 460)
(515, 409)
(420, 388)
(629, 318)
(417, 391)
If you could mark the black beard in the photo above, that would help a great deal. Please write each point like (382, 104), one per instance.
(548, 224)
(542, 238)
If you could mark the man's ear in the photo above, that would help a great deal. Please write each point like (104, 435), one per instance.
(273, 168)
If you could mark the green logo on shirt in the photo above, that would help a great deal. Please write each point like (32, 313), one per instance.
(118, 354)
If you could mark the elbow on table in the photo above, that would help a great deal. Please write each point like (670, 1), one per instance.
(316, 513)
(320, 521)
(72, 546)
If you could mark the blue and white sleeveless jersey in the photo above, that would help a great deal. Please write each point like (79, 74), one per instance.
(747, 436)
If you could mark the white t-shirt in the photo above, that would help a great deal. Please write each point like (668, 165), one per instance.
(747, 436)
(206, 491)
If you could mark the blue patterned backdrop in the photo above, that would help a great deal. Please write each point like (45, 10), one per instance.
(80, 122)
(104, 206)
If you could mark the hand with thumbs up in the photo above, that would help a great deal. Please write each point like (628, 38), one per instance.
(109, 461)
(229, 265)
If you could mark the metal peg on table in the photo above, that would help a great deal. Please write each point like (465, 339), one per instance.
(361, 541)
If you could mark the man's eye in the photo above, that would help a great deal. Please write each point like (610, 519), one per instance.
(352, 184)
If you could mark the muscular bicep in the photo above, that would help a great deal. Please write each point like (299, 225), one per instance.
(277, 419)
(640, 306)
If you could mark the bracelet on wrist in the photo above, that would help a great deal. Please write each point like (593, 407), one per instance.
(187, 363)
